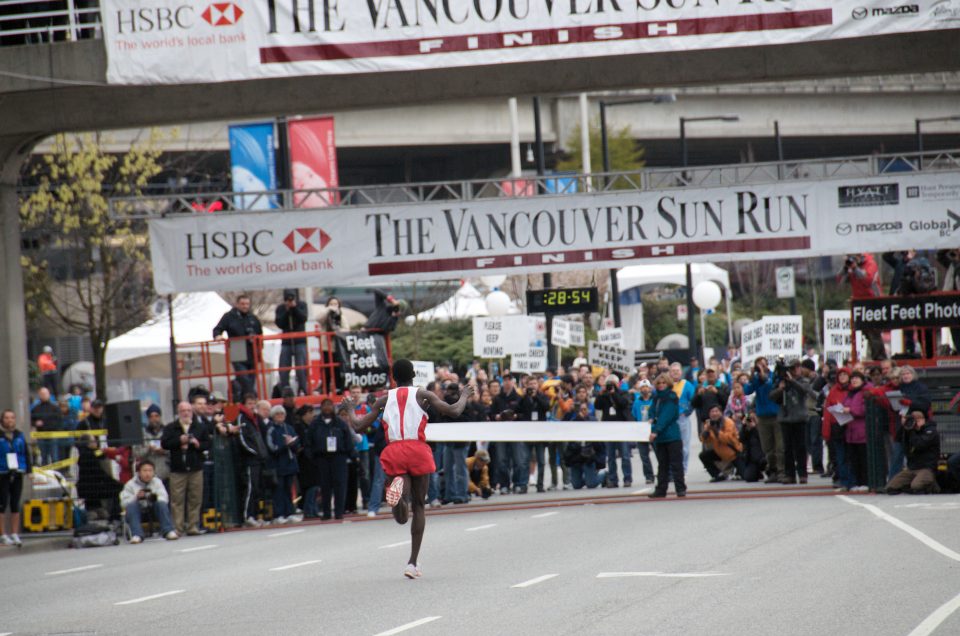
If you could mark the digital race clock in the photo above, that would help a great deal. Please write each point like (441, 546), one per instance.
(577, 300)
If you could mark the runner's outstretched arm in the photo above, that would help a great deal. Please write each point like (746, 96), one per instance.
(441, 407)
(362, 423)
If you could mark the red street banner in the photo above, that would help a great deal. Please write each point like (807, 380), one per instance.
(313, 161)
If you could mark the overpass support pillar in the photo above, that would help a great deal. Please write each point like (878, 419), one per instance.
(14, 388)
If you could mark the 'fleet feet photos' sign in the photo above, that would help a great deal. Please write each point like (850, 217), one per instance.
(437, 240)
(173, 41)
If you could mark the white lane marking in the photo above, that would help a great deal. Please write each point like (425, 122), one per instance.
(150, 598)
(930, 624)
(286, 533)
(209, 546)
(403, 628)
(645, 491)
(930, 506)
(79, 569)
(539, 579)
(665, 575)
(394, 545)
(489, 525)
(545, 514)
(6, 634)
(931, 543)
(293, 565)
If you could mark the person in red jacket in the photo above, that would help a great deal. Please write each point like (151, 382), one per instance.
(862, 273)
(831, 431)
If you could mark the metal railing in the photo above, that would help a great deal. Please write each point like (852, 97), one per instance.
(42, 22)
(152, 206)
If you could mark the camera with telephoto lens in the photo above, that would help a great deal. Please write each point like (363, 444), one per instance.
(149, 496)
(780, 368)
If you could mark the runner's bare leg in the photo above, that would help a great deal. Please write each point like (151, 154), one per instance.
(418, 495)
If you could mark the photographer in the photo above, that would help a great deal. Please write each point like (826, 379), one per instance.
(721, 445)
(792, 392)
(613, 405)
(753, 458)
(533, 407)
(239, 322)
(861, 271)
(291, 317)
(585, 460)
(145, 492)
(950, 259)
(767, 410)
(711, 392)
(921, 443)
(385, 314)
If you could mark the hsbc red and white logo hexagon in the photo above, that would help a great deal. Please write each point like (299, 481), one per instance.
(222, 14)
(306, 240)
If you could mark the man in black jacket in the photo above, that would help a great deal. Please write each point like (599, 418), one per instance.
(186, 439)
(921, 443)
(253, 458)
(613, 405)
(291, 317)
(533, 408)
(330, 443)
(510, 458)
(46, 418)
(239, 322)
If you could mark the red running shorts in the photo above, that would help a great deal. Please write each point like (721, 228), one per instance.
(407, 457)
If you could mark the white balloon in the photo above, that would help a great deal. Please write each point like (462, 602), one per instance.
(706, 294)
(410, 320)
(498, 303)
(493, 281)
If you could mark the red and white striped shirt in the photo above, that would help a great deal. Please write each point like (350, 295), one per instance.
(403, 417)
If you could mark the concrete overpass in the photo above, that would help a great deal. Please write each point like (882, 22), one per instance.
(48, 88)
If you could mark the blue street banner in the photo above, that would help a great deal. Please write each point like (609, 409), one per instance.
(253, 164)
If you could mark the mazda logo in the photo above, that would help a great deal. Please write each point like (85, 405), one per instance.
(844, 228)
(859, 13)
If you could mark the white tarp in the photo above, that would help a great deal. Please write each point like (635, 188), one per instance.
(172, 41)
(508, 236)
(539, 431)
(467, 302)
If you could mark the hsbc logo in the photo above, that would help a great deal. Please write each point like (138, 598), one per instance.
(306, 240)
(222, 14)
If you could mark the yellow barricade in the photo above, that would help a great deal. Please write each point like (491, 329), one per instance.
(66, 434)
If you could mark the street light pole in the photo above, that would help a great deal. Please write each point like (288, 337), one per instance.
(605, 151)
(691, 326)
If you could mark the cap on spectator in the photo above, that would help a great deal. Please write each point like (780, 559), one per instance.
(808, 364)
(277, 410)
(483, 456)
(858, 374)
(917, 409)
(289, 294)
(217, 396)
(48, 349)
(153, 408)
(645, 382)
(612, 378)
(96, 403)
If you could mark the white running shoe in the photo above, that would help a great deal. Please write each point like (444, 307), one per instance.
(395, 491)
(252, 523)
(171, 536)
(16, 539)
(6, 540)
(136, 539)
(436, 504)
(371, 513)
(280, 521)
(295, 518)
(412, 571)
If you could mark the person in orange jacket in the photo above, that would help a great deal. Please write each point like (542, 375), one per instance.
(721, 445)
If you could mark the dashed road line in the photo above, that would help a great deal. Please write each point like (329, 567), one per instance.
(82, 568)
(285, 533)
(664, 575)
(545, 514)
(294, 565)
(199, 548)
(539, 579)
(150, 598)
(394, 545)
(403, 628)
(489, 525)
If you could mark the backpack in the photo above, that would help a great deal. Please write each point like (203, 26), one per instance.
(94, 535)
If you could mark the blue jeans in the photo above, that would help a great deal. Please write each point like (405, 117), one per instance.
(310, 502)
(643, 448)
(282, 504)
(897, 457)
(513, 464)
(684, 421)
(455, 474)
(844, 474)
(433, 487)
(289, 351)
(611, 449)
(161, 512)
(49, 451)
(376, 485)
(584, 475)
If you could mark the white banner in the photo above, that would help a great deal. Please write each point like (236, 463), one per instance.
(533, 361)
(488, 337)
(431, 241)
(177, 41)
(523, 333)
(538, 431)
(578, 334)
(614, 358)
(611, 337)
(838, 338)
(561, 332)
(751, 343)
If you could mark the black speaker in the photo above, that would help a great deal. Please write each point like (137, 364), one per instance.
(124, 427)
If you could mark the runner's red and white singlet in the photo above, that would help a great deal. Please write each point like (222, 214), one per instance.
(403, 417)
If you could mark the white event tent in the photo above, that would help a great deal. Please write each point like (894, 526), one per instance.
(675, 274)
(468, 302)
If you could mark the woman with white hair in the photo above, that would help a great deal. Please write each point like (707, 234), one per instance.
(283, 445)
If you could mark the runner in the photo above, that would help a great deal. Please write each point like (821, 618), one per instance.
(407, 460)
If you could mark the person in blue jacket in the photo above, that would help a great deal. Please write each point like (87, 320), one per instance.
(771, 435)
(14, 464)
(282, 444)
(665, 437)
